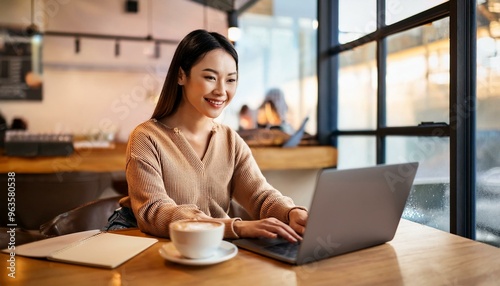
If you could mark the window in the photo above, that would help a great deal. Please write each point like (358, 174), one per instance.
(395, 85)
(277, 50)
(488, 123)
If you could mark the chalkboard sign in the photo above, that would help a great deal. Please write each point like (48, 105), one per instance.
(20, 66)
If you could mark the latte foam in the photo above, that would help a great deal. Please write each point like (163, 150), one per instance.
(195, 225)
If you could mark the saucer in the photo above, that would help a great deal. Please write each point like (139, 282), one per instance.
(225, 252)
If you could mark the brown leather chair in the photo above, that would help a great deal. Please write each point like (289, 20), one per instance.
(93, 215)
(236, 210)
(119, 182)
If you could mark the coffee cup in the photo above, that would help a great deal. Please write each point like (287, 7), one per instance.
(196, 239)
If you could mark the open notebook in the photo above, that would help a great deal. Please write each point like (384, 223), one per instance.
(91, 248)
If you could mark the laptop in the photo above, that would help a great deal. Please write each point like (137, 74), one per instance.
(351, 209)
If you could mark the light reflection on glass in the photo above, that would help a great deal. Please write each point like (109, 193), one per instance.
(418, 75)
(358, 89)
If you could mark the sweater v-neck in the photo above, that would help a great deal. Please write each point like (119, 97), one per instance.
(183, 144)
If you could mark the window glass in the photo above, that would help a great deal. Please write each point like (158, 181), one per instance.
(356, 151)
(488, 123)
(397, 10)
(357, 105)
(488, 187)
(277, 51)
(357, 18)
(429, 198)
(418, 75)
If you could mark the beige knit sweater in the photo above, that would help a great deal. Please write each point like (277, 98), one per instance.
(167, 181)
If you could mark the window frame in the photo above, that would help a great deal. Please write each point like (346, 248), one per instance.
(462, 94)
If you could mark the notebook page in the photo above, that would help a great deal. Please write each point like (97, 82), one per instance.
(43, 248)
(106, 250)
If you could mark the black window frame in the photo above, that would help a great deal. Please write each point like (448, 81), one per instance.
(462, 95)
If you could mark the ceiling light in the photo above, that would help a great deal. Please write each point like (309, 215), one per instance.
(32, 29)
(233, 32)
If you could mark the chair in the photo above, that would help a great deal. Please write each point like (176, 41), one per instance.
(40, 197)
(236, 210)
(119, 182)
(92, 215)
(22, 236)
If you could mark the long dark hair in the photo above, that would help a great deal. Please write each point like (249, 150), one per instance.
(189, 51)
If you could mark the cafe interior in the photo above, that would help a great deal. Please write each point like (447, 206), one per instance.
(321, 84)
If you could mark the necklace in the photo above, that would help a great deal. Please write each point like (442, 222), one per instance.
(155, 120)
(177, 130)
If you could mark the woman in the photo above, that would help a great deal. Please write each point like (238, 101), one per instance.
(181, 164)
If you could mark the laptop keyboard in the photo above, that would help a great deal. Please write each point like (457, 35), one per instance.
(285, 249)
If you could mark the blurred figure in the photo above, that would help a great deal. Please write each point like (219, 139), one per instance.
(247, 118)
(273, 111)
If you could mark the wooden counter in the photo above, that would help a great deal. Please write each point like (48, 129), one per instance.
(306, 157)
(113, 160)
(82, 160)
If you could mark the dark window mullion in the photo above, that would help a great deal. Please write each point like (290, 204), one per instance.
(423, 18)
(426, 131)
(381, 83)
(426, 17)
(327, 71)
(462, 117)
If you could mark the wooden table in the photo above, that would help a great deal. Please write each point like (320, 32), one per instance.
(418, 255)
(113, 160)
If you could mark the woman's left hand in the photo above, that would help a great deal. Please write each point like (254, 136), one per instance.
(298, 220)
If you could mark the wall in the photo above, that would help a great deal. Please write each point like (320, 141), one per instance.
(94, 90)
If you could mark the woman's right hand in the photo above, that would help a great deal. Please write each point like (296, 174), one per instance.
(268, 228)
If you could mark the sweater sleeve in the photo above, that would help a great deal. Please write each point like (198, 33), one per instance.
(253, 192)
(153, 208)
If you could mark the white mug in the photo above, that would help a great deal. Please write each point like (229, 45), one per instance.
(196, 239)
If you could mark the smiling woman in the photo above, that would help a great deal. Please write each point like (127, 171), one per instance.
(183, 165)
(210, 86)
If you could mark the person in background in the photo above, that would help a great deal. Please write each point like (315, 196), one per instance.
(273, 112)
(246, 118)
(181, 164)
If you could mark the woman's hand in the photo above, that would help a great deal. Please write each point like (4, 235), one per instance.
(298, 220)
(268, 227)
